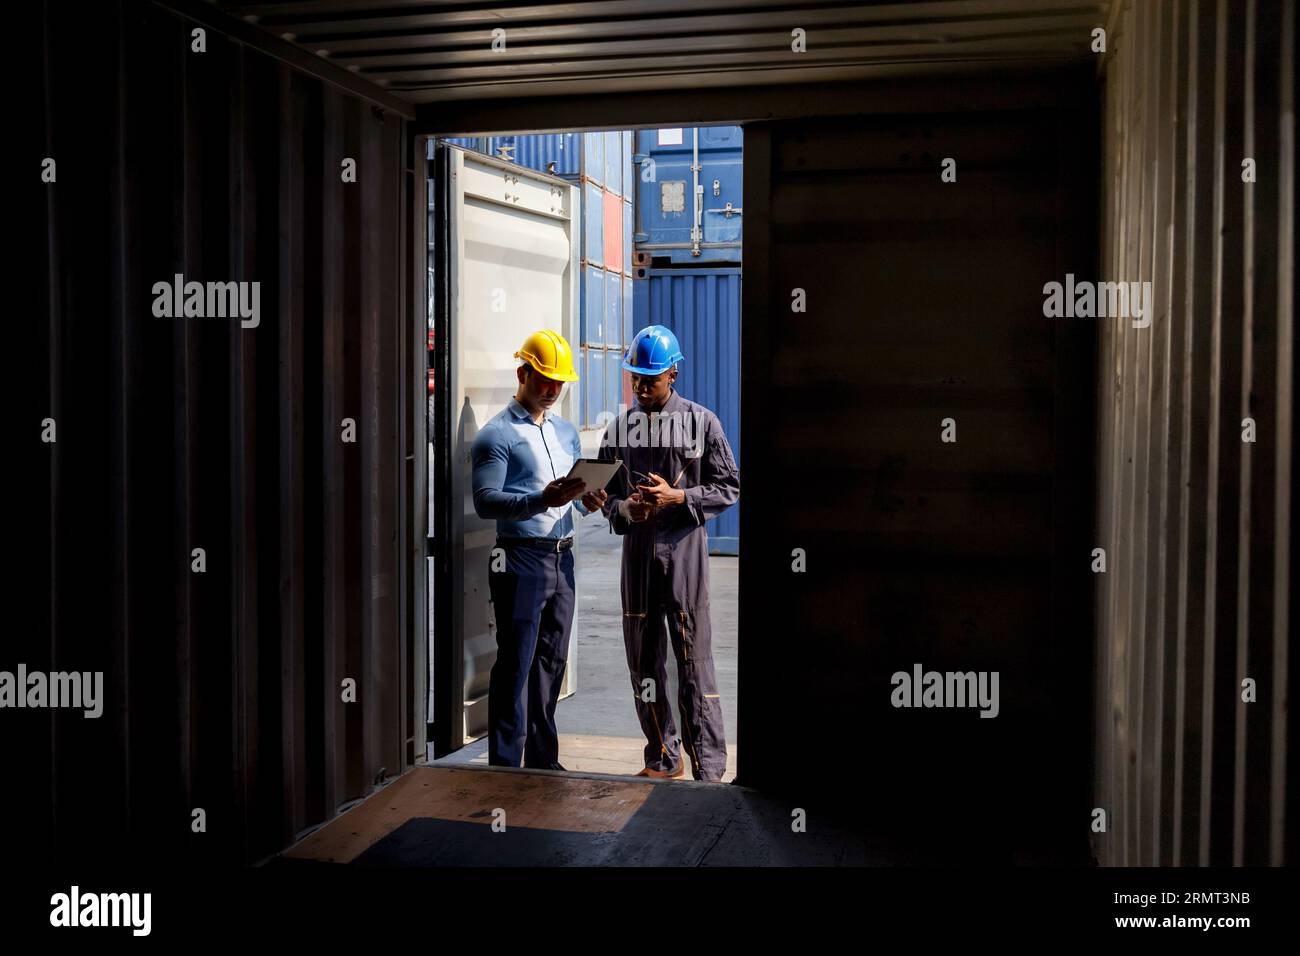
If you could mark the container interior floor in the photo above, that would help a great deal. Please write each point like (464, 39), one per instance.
(445, 816)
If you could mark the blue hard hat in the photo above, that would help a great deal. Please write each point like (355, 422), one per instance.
(653, 350)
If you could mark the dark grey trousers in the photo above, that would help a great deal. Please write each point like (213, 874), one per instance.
(666, 598)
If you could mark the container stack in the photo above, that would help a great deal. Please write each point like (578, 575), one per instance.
(600, 165)
(687, 270)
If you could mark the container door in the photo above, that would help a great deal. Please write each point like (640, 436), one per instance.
(512, 266)
(692, 210)
(721, 159)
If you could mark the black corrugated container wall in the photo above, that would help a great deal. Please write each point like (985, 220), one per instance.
(176, 434)
(1196, 522)
(222, 688)
(922, 303)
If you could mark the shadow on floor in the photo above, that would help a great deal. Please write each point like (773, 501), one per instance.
(445, 816)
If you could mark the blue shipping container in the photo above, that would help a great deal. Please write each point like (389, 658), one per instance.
(629, 178)
(604, 158)
(627, 312)
(540, 150)
(702, 307)
(591, 322)
(593, 157)
(613, 178)
(502, 147)
(478, 143)
(613, 310)
(593, 387)
(578, 389)
(628, 215)
(593, 224)
(613, 382)
(666, 206)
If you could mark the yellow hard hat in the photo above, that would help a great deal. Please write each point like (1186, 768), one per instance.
(547, 352)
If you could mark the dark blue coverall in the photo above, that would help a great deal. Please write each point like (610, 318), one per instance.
(666, 573)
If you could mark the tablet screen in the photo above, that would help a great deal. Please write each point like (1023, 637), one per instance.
(595, 473)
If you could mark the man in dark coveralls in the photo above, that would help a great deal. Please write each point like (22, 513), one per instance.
(678, 473)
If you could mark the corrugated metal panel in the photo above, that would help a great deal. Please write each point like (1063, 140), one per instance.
(614, 376)
(593, 224)
(539, 150)
(614, 161)
(579, 388)
(593, 387)
(666, 207)
(438, 52)
(500, 147)
(562, 149)
(625, 291)
(629, 177)
(481, 143)
(702, 307)
(1195, 520)
(222, 686)
(593, 157)
(958, 556)
(613, 310)
(612, 211)
(593, 306)
(629, 217)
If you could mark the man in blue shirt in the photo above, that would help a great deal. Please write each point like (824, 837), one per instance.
(519, 462)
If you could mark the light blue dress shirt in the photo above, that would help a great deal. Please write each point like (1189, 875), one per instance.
(513, 459)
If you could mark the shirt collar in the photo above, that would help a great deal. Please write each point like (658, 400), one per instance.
(673, 401)
(518, 411)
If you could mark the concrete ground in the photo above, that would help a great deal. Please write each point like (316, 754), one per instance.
(599, 732)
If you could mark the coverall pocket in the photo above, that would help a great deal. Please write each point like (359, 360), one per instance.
(686, 630)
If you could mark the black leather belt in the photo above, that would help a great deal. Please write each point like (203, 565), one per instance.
(538, 544)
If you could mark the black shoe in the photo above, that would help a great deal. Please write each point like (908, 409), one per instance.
(543, 766)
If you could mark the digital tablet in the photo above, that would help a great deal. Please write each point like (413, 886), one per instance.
(595, 473)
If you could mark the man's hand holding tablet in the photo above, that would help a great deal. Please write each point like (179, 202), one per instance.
(594, 475)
